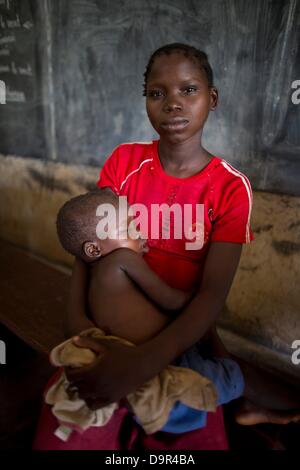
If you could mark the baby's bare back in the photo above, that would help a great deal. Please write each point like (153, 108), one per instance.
(117, 304)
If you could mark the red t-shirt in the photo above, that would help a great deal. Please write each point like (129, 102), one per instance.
(134, 170)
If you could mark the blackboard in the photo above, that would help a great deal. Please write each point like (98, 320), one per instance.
(22, 129)
(88, 58)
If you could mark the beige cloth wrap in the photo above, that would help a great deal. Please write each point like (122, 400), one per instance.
(151, 403)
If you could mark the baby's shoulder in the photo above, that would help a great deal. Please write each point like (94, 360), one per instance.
(108, 270)
(117, 258)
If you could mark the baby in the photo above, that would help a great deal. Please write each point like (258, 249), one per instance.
(125, 298)
(129, 303)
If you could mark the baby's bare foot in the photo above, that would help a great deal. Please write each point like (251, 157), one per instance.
(249, 414)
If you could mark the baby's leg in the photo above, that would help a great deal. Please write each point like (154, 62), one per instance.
(223, 371)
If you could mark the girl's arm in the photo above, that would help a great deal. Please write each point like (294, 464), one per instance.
(123, 369)
(76, 319)
(202, 312)
(165, 296)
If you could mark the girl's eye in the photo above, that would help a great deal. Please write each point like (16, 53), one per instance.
(157, 93)
(154, 93)
(190, 89)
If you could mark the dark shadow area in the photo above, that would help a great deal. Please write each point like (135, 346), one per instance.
(22, 380)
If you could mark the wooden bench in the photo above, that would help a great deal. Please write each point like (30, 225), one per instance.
(33, 298)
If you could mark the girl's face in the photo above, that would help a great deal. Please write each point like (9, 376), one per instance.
(178, 98)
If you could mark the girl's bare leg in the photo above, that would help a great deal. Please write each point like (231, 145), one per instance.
(266, 399)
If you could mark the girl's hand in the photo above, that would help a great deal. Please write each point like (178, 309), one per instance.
(119, 370)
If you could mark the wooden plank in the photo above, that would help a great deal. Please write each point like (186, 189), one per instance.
(33, 298)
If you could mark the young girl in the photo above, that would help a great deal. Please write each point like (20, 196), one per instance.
(177, 169)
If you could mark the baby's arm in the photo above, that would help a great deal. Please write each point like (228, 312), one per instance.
(166, 297)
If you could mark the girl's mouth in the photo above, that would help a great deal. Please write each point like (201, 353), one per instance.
(174, 124)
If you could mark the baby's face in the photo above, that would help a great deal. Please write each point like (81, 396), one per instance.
(120, 238)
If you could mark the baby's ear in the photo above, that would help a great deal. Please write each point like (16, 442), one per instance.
(91, 250)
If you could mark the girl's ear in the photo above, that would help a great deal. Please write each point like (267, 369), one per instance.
(214, 98)
(91, 250)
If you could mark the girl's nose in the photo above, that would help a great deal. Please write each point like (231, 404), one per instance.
(172, 103)
(172, 107)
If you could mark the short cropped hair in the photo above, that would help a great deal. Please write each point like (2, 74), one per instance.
(76, 220)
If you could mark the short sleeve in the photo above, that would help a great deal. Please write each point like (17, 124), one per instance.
(109, 173)
(231, 222)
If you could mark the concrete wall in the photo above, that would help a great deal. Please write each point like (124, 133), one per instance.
(262, 314)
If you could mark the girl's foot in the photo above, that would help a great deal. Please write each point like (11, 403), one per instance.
(249, 414)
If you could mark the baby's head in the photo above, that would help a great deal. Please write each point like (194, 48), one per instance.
(78, 227)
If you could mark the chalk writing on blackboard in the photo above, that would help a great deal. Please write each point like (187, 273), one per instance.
(7, 23)
(6, 4)
(17, 52)
(2, 92)
(17, 70)
(7, 39)
(296, 94)
(15, 96)
(22, 59)
(25, 70)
